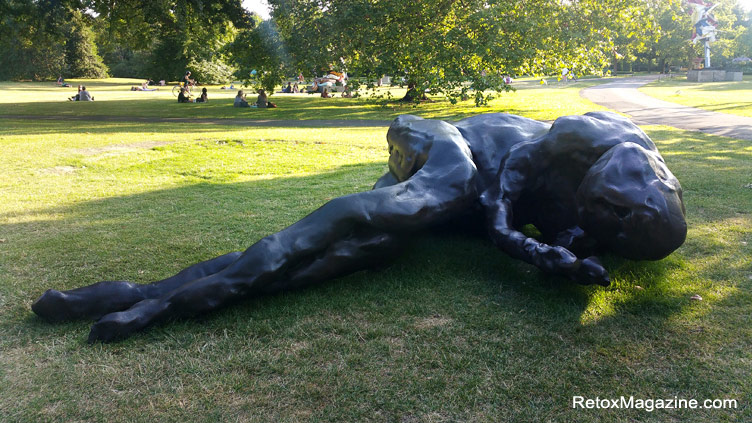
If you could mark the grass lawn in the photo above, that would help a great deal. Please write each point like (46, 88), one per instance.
(114, 98)
(452, 331)
(727, 97)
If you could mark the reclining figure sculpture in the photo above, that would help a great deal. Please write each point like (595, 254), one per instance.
(590, 184)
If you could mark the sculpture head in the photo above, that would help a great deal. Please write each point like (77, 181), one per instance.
(632, 204)
(408, 145)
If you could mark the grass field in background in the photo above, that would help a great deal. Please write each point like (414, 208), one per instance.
(114, 98)
(452, 331)
(726, 97)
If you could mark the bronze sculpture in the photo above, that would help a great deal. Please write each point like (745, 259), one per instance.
(590, 184)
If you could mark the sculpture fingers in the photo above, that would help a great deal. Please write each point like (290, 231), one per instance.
(591, 272)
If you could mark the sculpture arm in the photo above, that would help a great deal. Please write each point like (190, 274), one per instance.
(552, 259)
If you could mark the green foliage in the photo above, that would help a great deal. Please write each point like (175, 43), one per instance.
(210, 71)
(126, 63)
(455, 48)
(44, 39)
(672, 45)
(32, 45)
(260, 56)
(81, 58)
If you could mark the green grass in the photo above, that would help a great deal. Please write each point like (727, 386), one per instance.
(114, 98)
(452, 331)
(727, 97)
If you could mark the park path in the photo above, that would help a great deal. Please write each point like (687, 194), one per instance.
(623, 96)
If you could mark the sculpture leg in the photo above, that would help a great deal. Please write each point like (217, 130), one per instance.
(355, 252)
(96, 300)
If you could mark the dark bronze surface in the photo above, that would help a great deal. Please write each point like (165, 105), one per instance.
(590, 184)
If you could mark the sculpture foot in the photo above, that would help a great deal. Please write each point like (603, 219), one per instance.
(115, 327)
(122, 324)
(53, 306)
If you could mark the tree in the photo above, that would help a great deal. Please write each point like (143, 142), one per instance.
(170, 36)
(43, 39)
(31, 42)
(81, 58)
(452, 46)
(259, 56)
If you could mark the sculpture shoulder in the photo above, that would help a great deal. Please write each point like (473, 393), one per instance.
(594, 131)
(500, 130)
(566, 151)
(490, 138)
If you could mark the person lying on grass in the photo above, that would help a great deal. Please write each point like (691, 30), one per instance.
(590, 184)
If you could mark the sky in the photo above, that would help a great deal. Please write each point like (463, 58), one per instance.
(262, 8)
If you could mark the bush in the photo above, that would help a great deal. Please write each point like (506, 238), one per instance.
(210, 72)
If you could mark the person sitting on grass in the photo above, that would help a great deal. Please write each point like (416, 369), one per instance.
(204, 98)
(314, 88)
(184, 97)
(262, 102)
(84, 95)
(75, 97)
(287, 89)
(347, 93)
(240, 100)
(295, 88)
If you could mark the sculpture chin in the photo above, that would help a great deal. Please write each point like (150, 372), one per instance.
(631, 204)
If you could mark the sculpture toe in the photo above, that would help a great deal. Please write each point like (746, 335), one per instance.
(115, 327)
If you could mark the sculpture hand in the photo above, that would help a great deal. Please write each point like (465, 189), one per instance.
(591, 272)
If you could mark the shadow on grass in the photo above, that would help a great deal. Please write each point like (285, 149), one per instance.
(290, 107)
(152, 235)
(722, 107)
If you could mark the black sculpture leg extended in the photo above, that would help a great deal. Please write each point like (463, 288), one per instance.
(356, 252)
(96, 300)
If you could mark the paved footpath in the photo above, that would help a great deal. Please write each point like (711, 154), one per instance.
(622, 95)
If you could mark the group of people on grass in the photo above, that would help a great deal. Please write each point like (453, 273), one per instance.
(262, 101)
(83, 95)
(184, 96)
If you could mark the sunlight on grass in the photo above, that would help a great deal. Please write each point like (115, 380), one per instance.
(114, 98)
(726, 97)
(452, 331)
